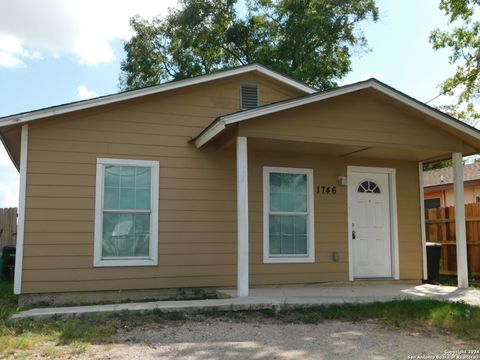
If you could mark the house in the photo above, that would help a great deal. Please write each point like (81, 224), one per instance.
(438, 186)
(240, 178)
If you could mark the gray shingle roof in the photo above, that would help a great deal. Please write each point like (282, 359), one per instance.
(445, 175)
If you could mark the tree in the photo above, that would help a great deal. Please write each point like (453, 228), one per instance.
(463, 39)
(310, 40)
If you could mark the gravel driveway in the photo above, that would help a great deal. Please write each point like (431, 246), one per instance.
(220, 339)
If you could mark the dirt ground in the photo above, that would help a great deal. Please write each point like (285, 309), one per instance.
(220, 339)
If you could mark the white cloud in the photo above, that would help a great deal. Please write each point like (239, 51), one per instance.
(12, 52)
(84, 28)
(10, 61)
(83, 93)
(8, 181)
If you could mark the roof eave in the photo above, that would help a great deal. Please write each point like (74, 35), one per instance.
(109, 99)
(207, 135)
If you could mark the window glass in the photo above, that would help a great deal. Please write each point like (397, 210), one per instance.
(126, 233)
(368, 186)
(127, 187)
(288, 192)
(288, 214)
(288, 234)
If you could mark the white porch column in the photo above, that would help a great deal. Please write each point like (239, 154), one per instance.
(242, 217)
(422, 221)
(460, 231)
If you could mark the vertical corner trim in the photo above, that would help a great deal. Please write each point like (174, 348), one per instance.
(17, 285)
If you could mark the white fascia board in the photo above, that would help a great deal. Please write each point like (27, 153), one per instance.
(245, 115)
(209, 134)
(109, 99)
(426, 110)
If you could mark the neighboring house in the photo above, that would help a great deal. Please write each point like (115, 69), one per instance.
(244, 177)
(438, 186)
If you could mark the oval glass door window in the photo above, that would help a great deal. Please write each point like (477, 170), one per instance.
(368, 186)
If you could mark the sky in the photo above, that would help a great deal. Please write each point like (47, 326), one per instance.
(57, 51)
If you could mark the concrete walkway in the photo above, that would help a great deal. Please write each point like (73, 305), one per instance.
(273, 297)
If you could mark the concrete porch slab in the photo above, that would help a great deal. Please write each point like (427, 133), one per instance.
(272, 297)
(363, 292)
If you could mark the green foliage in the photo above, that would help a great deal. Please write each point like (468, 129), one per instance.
(438, 165)
(310, 40)
(463, 39)
(458, 319)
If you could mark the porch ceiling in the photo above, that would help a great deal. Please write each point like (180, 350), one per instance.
(348, 150)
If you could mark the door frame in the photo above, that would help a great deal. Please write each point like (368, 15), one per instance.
(392, 188)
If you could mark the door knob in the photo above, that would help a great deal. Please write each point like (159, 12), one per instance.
(353, 234)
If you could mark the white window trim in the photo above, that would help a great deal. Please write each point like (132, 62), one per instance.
(283, 259)
(152, 260)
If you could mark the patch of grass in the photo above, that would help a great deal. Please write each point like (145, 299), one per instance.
(52, 352)
(61, 337)
(89, 331)
(175, 316)
(458, 319)
(20, 338)
(77, 348)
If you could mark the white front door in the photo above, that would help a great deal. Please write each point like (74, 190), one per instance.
(370, 235)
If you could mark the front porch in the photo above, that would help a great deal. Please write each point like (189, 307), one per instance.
(358, 292)
(273, 298)
(346, 138)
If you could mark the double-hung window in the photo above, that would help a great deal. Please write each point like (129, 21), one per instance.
(126, 213)
(288, 215)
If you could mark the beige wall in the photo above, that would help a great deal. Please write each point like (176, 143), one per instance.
(197, 221)
(331, 224)
(355, 119)
(197, 189)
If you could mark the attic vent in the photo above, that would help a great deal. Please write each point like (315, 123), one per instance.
(248, 96)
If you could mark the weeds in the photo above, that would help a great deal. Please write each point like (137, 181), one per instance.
(60, 337)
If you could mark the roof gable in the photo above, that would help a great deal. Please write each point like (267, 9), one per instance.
(222, 122)
(128, 95)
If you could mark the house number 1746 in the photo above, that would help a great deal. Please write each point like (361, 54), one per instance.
(326, 190)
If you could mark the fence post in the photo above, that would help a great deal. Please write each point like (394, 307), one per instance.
(8, 226)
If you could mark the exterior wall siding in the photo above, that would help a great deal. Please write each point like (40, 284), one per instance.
(197, 208)
(330, 211)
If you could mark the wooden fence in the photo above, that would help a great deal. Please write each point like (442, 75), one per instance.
(440, 227)
(8, 226)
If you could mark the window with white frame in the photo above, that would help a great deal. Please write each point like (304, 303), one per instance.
(288, 215)
(126, 213)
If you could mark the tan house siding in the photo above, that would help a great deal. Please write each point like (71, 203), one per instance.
(197, 218)
(197, 208)
(330, 213)
(357, 118)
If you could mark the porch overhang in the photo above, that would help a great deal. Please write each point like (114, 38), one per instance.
(264, 125)
(364, 120)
